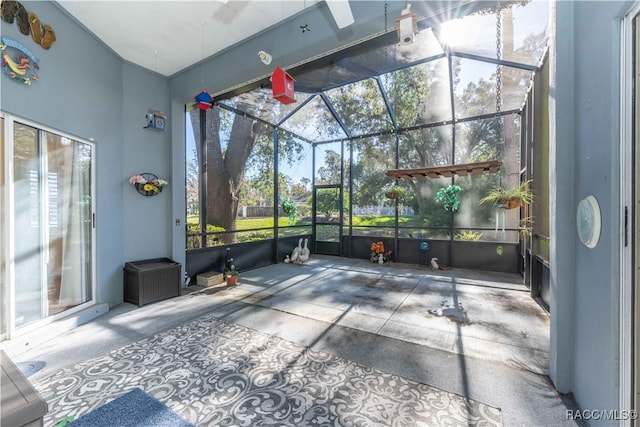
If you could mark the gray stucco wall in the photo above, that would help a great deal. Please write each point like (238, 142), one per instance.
(585, 148)
(87, 91)
(147, 220)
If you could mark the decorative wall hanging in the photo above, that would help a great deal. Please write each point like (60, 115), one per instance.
(282, 86)
(28, 23)
(155, 120)
(44, 35)
(11, 10)
(20, 66)
(147, 184)
(589, 221)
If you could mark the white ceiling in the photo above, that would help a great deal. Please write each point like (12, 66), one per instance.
(169, 36)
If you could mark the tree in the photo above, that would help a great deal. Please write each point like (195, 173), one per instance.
(327, 202)
(192, 185)
(330, 172)
(249, 150)
(225, 169)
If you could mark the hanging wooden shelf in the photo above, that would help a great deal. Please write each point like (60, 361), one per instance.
(478, 168)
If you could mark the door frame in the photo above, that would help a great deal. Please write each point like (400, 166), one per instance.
(327, 248)
(9, 232)
(629, 320)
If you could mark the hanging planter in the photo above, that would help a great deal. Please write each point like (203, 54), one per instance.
(290, 209)
(448, 197)
(147, 184)
(392, 195)
(510, 198)
(508, 203)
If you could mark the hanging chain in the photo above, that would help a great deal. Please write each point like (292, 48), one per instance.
(203, 24)
(499, 57)
(386, 16)
(386, 28)
(499, 74)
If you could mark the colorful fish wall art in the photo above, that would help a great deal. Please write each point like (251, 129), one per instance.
(18, 62)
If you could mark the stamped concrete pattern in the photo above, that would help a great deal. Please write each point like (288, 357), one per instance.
(219, 374)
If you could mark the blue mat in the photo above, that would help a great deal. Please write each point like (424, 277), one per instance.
(135, 408)
(30, 368)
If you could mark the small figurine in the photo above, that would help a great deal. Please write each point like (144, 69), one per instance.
(380, 259)
(228, 263)
(287, 260)
(305, 253)
(296, 252)
(434, 264)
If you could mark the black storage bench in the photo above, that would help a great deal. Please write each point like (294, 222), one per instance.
(151, 280)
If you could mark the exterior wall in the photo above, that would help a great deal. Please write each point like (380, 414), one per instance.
(584, 119)
(147, 221)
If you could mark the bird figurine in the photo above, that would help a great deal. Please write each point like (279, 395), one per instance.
(406, 10)
(296, 251)
(305, 253)
(287, 260)
(434, 263)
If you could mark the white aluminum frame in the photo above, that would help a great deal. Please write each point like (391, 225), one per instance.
(627, 214)
(9, 236)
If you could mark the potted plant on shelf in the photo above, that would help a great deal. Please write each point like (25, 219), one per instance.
(448, 197)
(510, 198)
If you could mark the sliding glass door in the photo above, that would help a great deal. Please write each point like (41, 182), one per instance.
(52, 224)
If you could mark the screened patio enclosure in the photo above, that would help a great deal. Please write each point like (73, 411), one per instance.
(263, 174)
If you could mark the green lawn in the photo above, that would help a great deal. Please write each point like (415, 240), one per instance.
(389, 221)
(358, 221)
(251, 223)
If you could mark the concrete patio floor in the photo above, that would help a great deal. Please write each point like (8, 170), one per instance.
(473, 333)
(484, 315)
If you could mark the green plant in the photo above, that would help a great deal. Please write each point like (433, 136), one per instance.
(468, 235)
(289, 208)
(526, 226)
(394, 192)
(448, 197)
(231, 273)
(511, 197)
